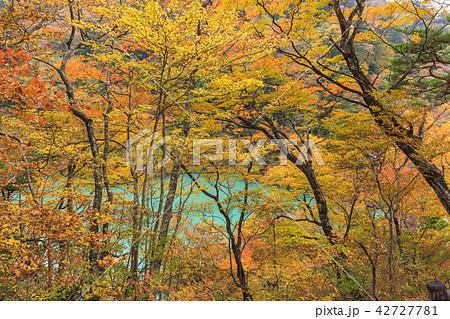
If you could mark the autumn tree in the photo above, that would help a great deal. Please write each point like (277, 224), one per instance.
(355, 80)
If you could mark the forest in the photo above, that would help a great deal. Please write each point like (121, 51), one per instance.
(224, 149)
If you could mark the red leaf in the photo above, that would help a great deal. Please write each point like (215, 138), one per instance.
(34, 82)
(60, 94)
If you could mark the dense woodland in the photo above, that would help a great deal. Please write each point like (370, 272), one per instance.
(81, 81)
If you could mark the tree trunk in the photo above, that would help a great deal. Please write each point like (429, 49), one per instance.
(167, 214)
(321, 202)
(168, 206)
(97, 171)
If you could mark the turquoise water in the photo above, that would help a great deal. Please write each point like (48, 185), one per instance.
(199, 205)
(206, 208)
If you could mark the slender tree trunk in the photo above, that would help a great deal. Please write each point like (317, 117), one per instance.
(235, 245)
(97, 170)
(168, 205)
(391, 255)
(134, 250)
(321, 202)
(107, 184)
